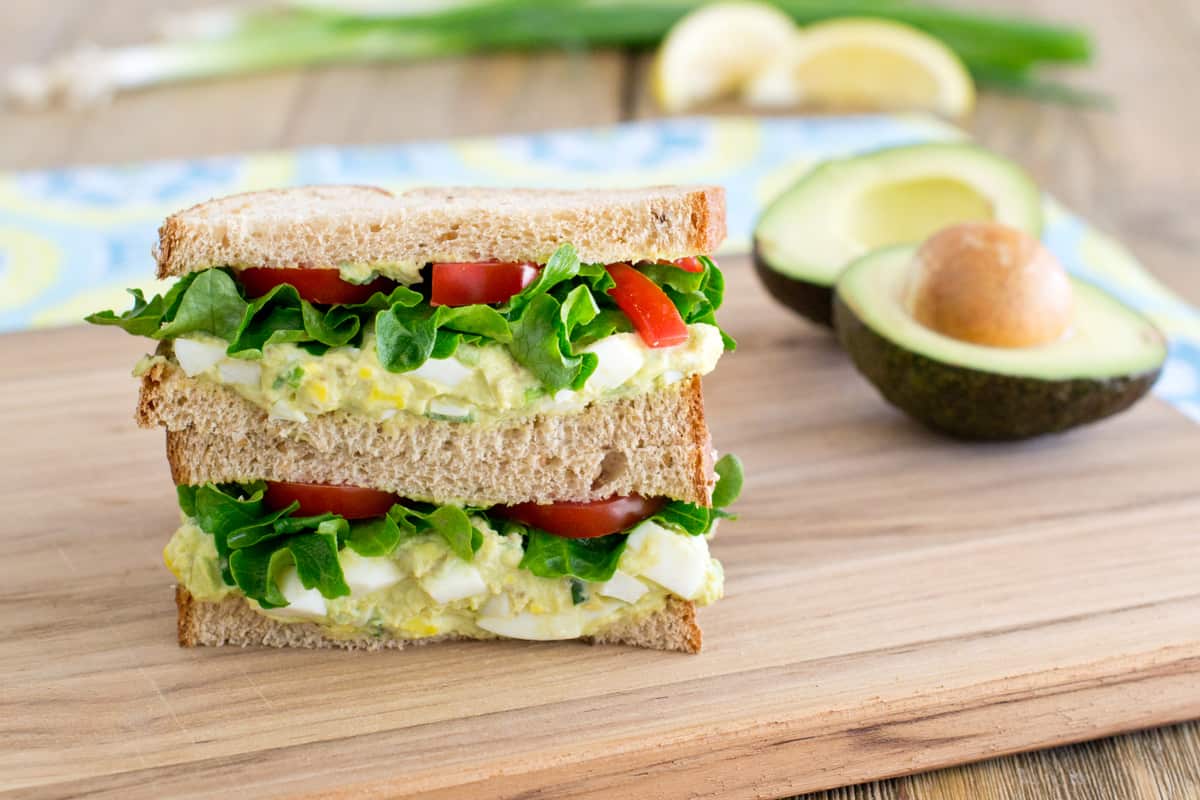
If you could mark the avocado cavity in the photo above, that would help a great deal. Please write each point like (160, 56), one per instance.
(1102, 362)
(901, 212)
(846, 208)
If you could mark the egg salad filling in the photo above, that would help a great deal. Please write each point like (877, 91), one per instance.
(423, 588)
(424, 570)
(478, 383)
(478, 342)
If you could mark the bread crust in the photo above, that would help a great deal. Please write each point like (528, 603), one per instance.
(322, 226)
(655, 444)
(232, 622)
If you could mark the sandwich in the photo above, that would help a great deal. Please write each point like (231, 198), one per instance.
(442, 414)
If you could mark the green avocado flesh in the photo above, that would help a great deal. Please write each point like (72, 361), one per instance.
(846, 208)
(1107, 361)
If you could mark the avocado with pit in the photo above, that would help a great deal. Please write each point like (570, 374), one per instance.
(845, 208)
(1104, 362)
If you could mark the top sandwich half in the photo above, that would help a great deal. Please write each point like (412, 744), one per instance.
(364, 230)
(561, 330)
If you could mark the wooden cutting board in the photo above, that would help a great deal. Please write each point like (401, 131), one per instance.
(896, 602)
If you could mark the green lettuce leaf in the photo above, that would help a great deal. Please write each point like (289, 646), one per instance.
(690, 518)
(212, 303)
(606, 322)
(453, 525)
(669, 275)
(730, 476)
(450, 522)
(331, 522)
(545, 326)
(255, 570)
(561, 266)
(374, 537)
(249, 537)
(221, 510)
(143, 319)
(260, 530)
(697, 520)
(541, 340)
(404, 337)
(270, 319)
(481, 321)
(146, 317)
(550, 556)
(316, 556)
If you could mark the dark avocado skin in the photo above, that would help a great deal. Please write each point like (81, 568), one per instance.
(811, 300)
(972, 404)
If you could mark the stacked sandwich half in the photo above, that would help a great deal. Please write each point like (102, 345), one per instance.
(452, 413)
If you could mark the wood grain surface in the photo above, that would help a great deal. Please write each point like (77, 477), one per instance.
(896, 602)
(1132, 171)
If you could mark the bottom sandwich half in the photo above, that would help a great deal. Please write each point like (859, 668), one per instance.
(279, 564)
(232, 621)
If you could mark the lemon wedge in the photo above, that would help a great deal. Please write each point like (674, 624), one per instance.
(865, 64)
(715, 49)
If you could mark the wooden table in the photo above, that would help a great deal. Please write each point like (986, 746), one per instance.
(1133, 172)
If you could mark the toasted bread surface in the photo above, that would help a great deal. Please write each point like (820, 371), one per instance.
(654, 444)
(324, 226)
(233, 622)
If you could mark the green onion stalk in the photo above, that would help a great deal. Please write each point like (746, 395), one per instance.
(214, 43)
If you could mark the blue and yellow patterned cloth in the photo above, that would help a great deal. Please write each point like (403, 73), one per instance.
(72, 239)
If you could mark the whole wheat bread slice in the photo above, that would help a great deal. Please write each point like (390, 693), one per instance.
(322, 226)
(233, 622)
(654, 444)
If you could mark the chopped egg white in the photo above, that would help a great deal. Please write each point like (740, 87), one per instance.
(623, 586)
(677, 562)
(569, 623)
(620, 357)
(498, 605)
(236, 371)
(195, 357)
(454, 580)
(365, 575)
(445, 408)
(281, 410)
(448, 372)
(535, 627)
(302, 603)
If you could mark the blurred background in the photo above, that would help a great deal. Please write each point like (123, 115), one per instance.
(1093, 99)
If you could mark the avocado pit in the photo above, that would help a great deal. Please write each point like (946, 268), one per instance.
(990, 285)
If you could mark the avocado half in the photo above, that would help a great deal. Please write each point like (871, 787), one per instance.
(846, 208)
(1108, 360)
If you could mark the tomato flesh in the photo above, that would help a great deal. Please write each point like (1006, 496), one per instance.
(351, 502)
(652, 313)
(585, 520)
(483, 282)
(314, 285)
(689, 264)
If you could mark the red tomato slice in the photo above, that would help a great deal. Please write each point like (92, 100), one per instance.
(585, 520)
(351, 502)
(653, 314)
(314, 285)
(689, 264)
(486, 282)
